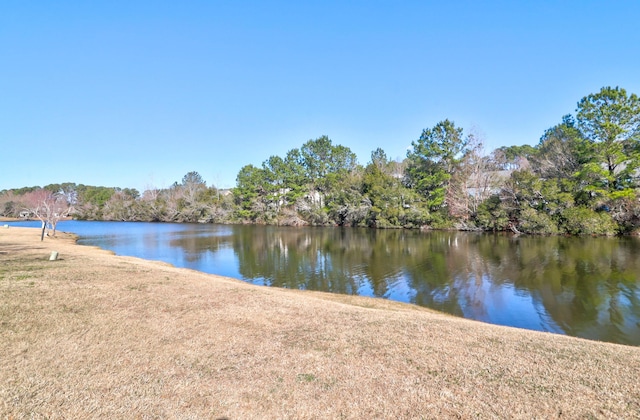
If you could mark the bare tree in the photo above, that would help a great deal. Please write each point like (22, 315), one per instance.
(193, 185)
(472, 183)
(121, 206)
(559, 151)
(48, 207)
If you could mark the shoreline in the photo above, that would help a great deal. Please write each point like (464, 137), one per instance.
(94, 334)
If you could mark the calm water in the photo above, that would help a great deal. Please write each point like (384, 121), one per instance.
(585, 287)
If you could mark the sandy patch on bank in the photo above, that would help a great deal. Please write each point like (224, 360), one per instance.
(98, 335)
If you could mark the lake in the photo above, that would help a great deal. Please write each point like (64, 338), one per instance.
(580, 286)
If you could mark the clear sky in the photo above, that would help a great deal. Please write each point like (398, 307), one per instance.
(138, 93)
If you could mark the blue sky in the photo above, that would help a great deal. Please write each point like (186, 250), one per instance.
(138, 93)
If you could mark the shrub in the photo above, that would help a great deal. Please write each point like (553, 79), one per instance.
(532, 221)
(584, 221)
(492, 215)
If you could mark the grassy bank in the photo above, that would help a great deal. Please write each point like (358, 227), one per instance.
(98, 335)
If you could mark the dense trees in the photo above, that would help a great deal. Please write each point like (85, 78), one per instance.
(392, 204)
(435, 156)
(610, 121)
(583, 175)
(298, 185)
(581, 178)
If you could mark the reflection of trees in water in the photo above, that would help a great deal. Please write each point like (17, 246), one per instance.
(588, 286)
(430, 269)
(340, 260)
(303, 258)
(584, 286)
(194, 244)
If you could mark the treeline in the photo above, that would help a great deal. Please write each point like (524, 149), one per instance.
(581, 178)
(188, 201)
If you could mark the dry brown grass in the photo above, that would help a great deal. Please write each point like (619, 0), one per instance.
(94, 335)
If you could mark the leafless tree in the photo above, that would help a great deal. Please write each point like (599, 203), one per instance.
(473, 182)
(48, 207)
